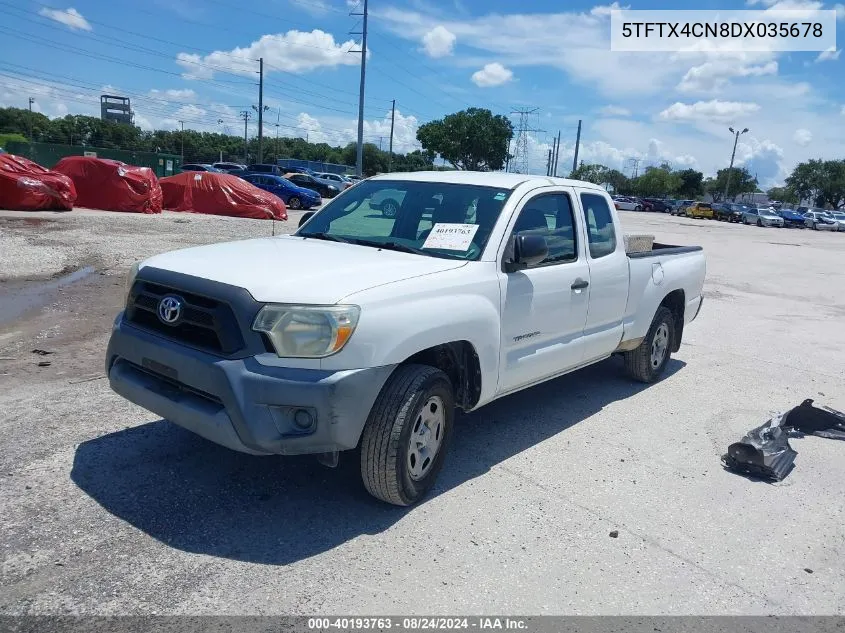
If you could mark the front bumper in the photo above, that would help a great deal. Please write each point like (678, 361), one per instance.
(240, 403)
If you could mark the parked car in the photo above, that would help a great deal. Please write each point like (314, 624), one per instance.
(680, 207)
(229, 167)
(761, 217)
(820, 220)
(839, 216)
(699, 210)
(395, 327)
(298, 170)
(624, 203)
(660, 206)
(295, 197)
(199, 167)
(730, 212)
(341, 181)
(325, 188)
(354, 178)
(791, 219)
(266, 168)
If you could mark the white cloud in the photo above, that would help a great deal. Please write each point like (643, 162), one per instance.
(830, 55)
(842, 111)
(713, 76)
(439, 42)
(294, 51)
(69, 17)
(840, 11)
(343, 131)
(606, 9)
(491, 75)
(612, 110)
(713, 110)
(802, 137)
(172, 94)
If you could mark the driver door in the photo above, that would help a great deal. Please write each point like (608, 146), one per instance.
(544, 307)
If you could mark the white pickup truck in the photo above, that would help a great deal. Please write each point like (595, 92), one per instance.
(365, 332)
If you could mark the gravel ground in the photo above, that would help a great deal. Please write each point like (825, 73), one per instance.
(109, 510)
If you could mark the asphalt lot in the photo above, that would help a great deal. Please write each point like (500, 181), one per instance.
(107, 509)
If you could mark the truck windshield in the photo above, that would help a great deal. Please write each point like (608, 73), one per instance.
(445, 220)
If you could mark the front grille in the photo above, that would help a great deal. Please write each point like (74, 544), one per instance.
(205, 323)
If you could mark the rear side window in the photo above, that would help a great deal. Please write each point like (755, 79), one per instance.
(601, 234)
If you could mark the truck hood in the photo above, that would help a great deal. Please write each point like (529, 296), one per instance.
(290, 269)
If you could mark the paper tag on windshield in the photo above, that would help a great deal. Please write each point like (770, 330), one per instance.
(198, 177)
(451, 237)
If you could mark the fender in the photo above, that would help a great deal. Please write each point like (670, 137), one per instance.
(390, 331)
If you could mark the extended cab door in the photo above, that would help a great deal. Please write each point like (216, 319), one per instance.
(544, 307)
(608, 265)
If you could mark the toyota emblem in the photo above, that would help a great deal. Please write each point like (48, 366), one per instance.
(170, 309)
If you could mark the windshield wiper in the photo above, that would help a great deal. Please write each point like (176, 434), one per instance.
(326, 236)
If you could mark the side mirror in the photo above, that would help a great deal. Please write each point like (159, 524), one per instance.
(527, 250)
(305, 217)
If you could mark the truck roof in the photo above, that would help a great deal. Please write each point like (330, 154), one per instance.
(483, 178)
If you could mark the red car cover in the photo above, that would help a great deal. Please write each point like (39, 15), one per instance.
(27, 186)
(111, 185)
(220, 194)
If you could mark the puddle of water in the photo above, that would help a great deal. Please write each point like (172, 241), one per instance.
(19, 297)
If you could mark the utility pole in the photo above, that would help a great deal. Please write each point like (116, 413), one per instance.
(245, 114)
(557, 154)
(736, 134)
(182, 139)
(260, 109)
(392, 121)
(577, 147)
(359, 162)
(31, 101)
(276, 149)
(549, 161)
(380, 139)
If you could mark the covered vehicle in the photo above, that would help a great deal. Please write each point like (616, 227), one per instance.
(27, 186)
(294, 196)
(220, 194)
(112, 185)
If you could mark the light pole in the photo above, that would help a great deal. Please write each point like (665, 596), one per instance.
(736, 134)
(220, 122)
(182, 139)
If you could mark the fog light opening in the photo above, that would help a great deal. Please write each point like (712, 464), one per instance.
(303, 419)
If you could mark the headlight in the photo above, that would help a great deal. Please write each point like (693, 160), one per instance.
(307, 331)
(130, 278)
(332, 187)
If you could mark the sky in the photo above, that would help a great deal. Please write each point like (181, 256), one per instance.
(195, 61)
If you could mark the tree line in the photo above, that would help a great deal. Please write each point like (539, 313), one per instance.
(200, 147)
(473, 139)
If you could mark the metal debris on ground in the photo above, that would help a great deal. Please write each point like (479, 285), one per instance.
(44, 363)
(42, 352)
(765, 452)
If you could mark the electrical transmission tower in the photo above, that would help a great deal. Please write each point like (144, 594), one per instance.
(520, 161)
(634, 165)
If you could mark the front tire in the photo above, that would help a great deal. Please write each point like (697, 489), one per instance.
(406, 437)
(647, 362)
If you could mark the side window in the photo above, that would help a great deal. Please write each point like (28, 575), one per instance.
(601, 233)
(550, 215)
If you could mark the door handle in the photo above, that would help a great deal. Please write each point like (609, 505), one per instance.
(579, 284)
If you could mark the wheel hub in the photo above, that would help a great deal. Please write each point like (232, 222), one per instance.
(426, 438)
(659, 345)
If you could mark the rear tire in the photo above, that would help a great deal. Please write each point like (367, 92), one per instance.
(294, 203)
(647, 362)
(407, 434)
